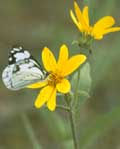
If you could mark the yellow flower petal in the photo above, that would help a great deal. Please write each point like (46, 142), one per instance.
(43, 96)
(73, 63)
(75, 21)
(113, 29)
(51, 103)
(100, 35)
(38, 85)
(64, 86)
(85, 15)
(63, 56)
(102, 24)
(48, 59)
(80, 17)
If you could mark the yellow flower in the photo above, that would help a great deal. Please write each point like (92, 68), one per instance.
(99, 29)
(56, 79)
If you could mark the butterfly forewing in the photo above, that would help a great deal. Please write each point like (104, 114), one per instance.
(22, 70)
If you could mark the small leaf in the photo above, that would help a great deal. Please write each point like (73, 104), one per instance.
(74, 42)
(85, 79)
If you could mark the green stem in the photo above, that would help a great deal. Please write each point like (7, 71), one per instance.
(30, 131)
(77, 87)
(63, 107)
(72, 107)
(67, 99)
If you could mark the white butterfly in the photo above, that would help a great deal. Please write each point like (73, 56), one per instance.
(22, 70)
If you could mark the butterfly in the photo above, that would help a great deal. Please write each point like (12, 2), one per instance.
(22, 69)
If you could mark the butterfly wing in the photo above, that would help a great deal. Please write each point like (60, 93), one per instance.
(22, 70)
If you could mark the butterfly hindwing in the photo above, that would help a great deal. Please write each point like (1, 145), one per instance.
(22, 70)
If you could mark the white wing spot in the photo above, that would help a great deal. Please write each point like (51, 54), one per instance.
(16, 49)
(20, 48)
(10, 59)
(20, 56)
(27, 54)
(12, 51)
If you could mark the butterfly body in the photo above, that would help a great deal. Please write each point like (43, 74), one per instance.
(22, 70)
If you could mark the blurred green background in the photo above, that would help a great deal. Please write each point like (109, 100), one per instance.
(35, 24)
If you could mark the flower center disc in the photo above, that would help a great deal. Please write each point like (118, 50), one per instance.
(53, 79)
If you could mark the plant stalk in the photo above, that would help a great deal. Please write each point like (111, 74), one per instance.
(67, 99)
(77, 87)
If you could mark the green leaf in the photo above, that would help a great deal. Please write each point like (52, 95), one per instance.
(85, 81)
(85, 78)
(81, 84)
